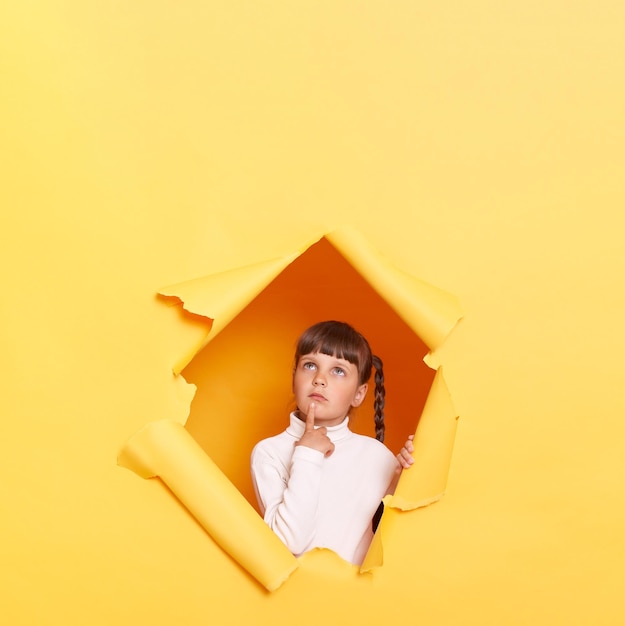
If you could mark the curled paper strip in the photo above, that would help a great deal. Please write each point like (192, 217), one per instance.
(426, 481)
(429, 311)
(165, 449)
(433, 444)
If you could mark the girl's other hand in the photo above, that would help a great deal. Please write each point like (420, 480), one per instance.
(405, 454)
(404, 461)
(315, 438)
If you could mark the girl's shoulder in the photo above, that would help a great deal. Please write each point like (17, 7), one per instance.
(372, 457)
(278, 446)
(273, 441)
(371, 445)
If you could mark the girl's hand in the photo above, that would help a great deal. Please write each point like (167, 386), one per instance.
(404, 461)
(315, 438)
(405, 454)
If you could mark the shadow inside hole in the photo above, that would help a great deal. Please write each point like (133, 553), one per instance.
(243, 376)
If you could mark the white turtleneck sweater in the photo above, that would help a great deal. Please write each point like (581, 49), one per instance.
(312, 501)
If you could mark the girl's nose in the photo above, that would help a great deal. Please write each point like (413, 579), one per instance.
(319, 380)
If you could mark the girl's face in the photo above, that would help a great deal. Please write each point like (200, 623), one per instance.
(331, 383)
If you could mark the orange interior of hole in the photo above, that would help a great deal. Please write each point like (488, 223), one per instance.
(243, 376)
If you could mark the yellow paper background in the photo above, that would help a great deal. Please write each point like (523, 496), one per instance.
(478, 146)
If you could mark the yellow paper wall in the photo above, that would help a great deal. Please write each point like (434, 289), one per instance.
(478, 146)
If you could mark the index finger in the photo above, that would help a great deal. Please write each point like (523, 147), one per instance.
(310, 418)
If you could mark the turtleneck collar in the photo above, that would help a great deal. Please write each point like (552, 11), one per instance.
(335, 433)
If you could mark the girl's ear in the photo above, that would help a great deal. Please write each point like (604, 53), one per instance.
(360, 394)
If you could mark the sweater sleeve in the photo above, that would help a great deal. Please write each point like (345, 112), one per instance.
(289, 496)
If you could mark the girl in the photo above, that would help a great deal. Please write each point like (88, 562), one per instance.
(318, 484)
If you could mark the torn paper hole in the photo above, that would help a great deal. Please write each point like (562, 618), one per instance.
(242, 373)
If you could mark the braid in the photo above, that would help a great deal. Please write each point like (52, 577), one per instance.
(378, 402)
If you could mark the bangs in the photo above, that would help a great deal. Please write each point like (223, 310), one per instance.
(326, 345)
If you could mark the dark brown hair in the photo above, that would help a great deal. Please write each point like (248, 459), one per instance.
(341, 340)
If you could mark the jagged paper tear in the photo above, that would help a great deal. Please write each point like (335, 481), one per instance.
(165, 449)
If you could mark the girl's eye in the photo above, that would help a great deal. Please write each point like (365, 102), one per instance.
(308, 365)
(339, 371)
